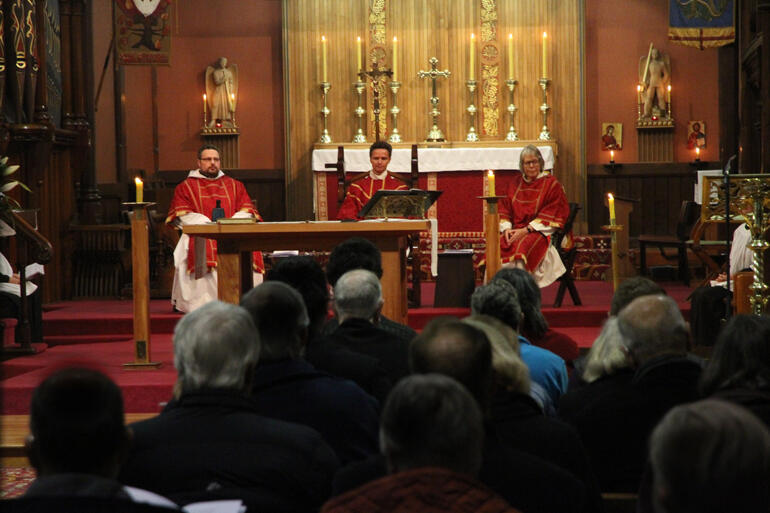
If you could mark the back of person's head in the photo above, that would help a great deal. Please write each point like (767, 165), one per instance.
(607, 355)
(631, 289)
(215, 346)
(710, 457)
(498, 299)
(307, 277)
(741, 357)
(533, 323)
(511, 373)
(355, 253)
(431, 421)
(77, 425)
(461, 351)
(358, 295)
(653, 326)
(281, 319)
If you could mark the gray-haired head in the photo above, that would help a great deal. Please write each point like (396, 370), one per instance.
(710, 456)
(530, 300)
(280, 316)
(653, 326)
(498, 299)
(358, 295)
(431, 420)
(607, 354)
(529, 150)
(215, 346)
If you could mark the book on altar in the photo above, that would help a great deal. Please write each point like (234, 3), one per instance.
(236, 220)
(413, 203)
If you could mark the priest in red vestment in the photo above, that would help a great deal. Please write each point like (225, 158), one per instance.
(193, 203)
(360, 192)
(534, 207)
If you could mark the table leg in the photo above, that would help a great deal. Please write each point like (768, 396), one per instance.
(394, 280)
(229, 273)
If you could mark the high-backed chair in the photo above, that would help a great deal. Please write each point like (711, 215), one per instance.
(689, 214)
(566, 281)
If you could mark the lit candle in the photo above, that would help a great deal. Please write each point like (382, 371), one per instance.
(545, 55)
(668, 94)
(395, 59)
(358, 55)
(611, 202)
(472, 63)
(204, 107)
(510, 56)
(139, 190)
(490, 183)
(697, 154)
(323, 58)
(612, 156)
(232, 102)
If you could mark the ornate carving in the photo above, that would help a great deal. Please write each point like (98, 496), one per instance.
(489, 101)
(490, 68)
(378, 57)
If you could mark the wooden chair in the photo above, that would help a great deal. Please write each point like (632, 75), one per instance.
(566, 281)
(689, 213)
(411, 181)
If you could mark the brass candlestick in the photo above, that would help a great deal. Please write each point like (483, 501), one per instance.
(472, 136)
(757, 190)
(512, 135)
(325, 137)
(545, 134)
(395, 136)
(360, 137)
(434, 134)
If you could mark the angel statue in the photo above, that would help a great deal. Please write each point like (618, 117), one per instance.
(221, 92)
(654, 76)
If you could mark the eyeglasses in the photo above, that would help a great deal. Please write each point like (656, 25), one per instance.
(210, 159)
(531, 162)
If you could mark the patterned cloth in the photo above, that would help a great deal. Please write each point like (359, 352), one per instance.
(360, 192)
(14, 481)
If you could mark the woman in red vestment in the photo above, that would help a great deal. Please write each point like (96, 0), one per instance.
(535, 206)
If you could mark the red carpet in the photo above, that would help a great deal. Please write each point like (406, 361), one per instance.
(98, 334)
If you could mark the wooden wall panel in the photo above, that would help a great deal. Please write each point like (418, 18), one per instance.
(428, 28)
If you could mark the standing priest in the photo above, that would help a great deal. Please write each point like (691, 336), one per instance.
(194, 200)
(534, 207)
(360, 192)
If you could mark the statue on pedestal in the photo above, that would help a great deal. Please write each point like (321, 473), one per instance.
(655, 77)
(221, 92)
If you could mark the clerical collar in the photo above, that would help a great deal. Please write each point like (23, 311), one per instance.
(378, 177)
(196, 173)
(540, 175)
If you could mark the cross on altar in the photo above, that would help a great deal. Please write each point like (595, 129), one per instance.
(376, 75)
(434, 134)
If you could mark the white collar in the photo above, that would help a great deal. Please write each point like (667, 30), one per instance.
(378, 177)
(196, 173)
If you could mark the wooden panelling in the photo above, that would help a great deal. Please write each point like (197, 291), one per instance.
(656, 145)
(425, 29)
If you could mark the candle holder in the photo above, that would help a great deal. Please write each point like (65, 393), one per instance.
(614, 229)
(613, 166)
(395, 136)
(325, 137)
(359, 111)
(512, 135)
(472, 136)
(434, 134)
(545, 134)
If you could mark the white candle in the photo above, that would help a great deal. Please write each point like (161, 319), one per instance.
(612, 156)
(545, 55)
(139, 190)
(323, 59)
(358, 56)
(490, 182)
(510, 56)
(395, 59)
(472, 63)
(611, 202)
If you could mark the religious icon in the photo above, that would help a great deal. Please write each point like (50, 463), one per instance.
(696, 137)
(612, 136)
(222, 93)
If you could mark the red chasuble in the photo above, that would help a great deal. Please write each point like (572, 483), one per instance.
(200, 195)
(360, 192)
(542, 200)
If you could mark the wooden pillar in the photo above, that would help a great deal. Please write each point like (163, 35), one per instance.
(68, 118)
(41, 91)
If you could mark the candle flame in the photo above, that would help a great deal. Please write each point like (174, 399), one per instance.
(323, 38)
(612, 154)
(545, 35)
(473, 36)
(669, 87)
(138, 181)
(638, 88)
(395, 39)
(697, 150)
(610, 196)
(490, 172)
(358, 39)
(204, 96)
(510, 36)
(232, 96)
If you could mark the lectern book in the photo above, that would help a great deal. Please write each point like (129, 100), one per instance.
(413, 203)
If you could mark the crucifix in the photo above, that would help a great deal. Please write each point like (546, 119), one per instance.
(376, 74)
(434, 134)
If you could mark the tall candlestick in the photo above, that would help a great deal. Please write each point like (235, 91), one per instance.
(395, 59)
(139, 190)
(490, 183)
(639, 101)
(668, 94)
(358, 55)
(323, 59)
(611, 202)
(204, 108)
(472, 62)
(510, 56)
(545, 55)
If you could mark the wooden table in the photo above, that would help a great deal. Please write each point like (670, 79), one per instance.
(235, 242)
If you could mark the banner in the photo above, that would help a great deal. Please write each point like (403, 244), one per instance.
(142, 31)
(701, 23)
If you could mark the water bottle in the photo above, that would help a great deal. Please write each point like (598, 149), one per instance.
(218, 212)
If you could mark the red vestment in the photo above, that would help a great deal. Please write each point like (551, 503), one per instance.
(540, 201)
(200, 195)
(360, 192)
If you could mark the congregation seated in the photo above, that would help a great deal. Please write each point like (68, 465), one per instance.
(304, 274)
(360, 253)
(449, 347)
(287, 387)
(77, 443)
(534, 327)
(710, 456)
(739, 368)
(519, 420)
(211, 442)
(499, 299)
(358, 304)
(615, 417)
(432, 435)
